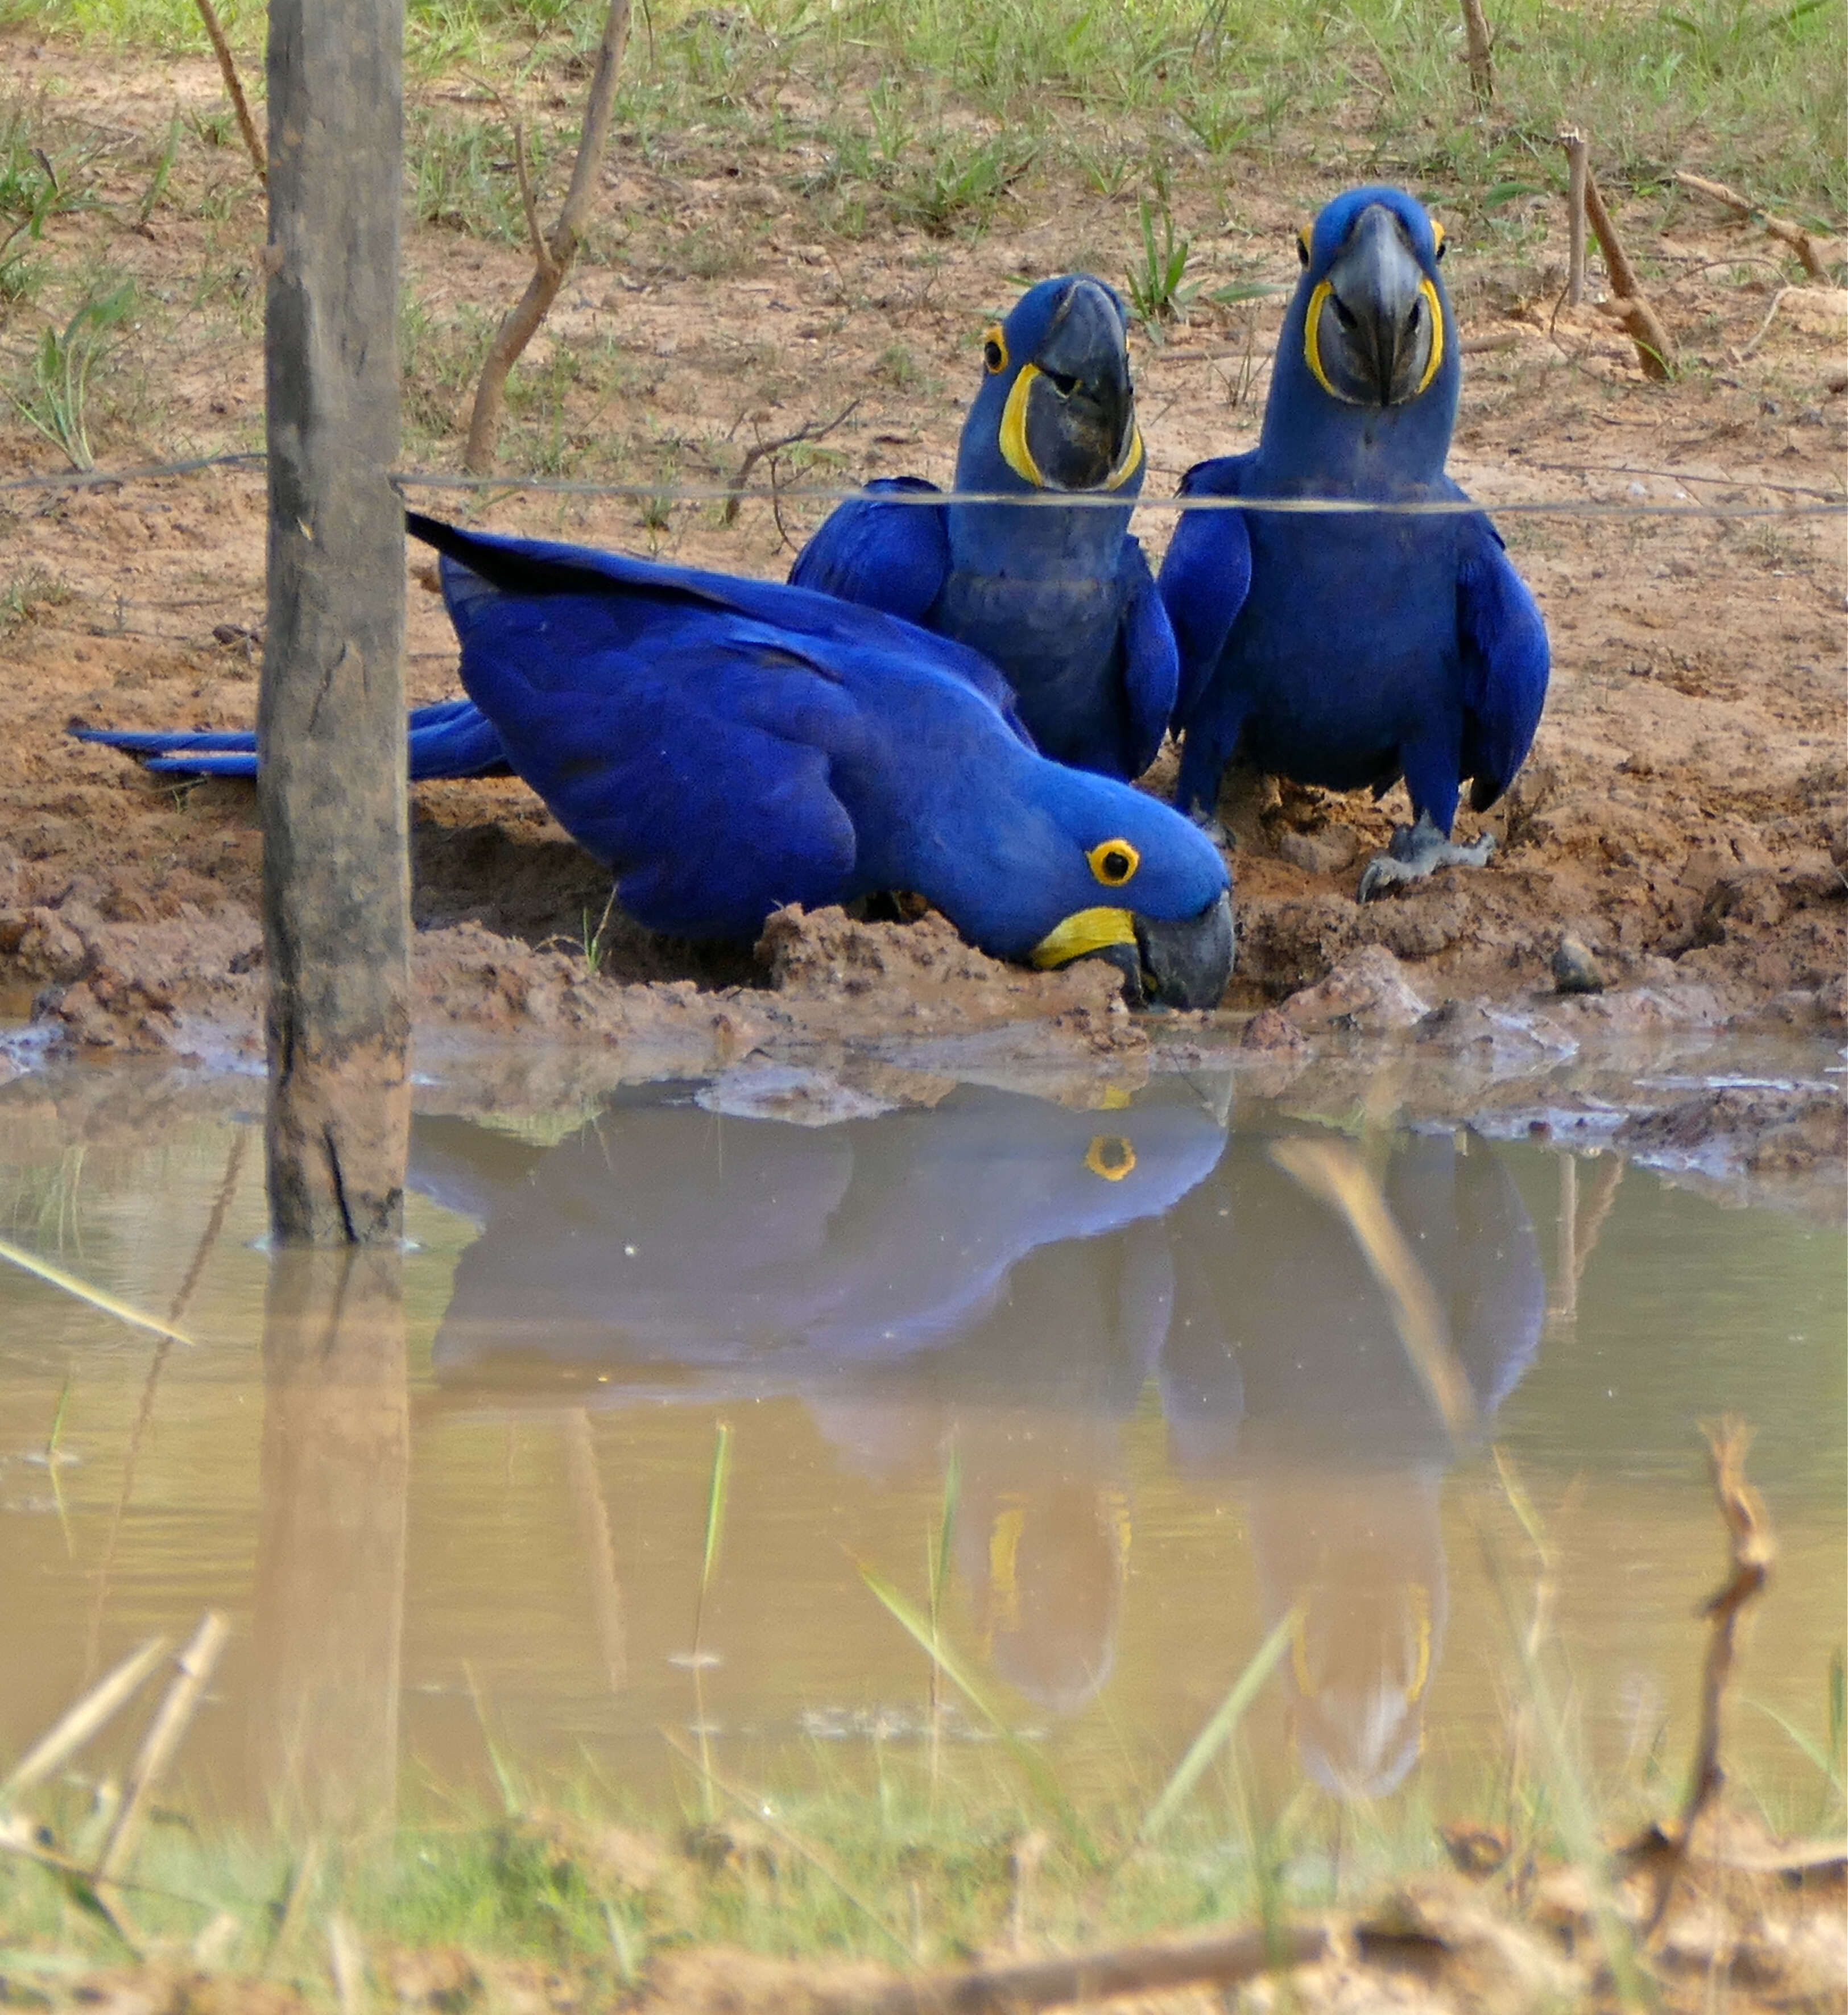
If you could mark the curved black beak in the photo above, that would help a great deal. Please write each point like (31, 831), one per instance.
(1081, 427)
(1375, 336)
(1187, 964)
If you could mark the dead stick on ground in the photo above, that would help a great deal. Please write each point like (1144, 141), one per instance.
(809, 431)
(163, 1738)
(554, 257)
(75, 1726)
(1629, 305)
(1754, 1548)
(1479, 46)
(1223, 1960)
(227, 69)
(1577, 167)
(1781, 228)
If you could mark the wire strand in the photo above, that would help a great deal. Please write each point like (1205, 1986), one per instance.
(1825, 504)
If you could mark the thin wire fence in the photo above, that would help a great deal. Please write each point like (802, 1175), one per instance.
(1819, 503)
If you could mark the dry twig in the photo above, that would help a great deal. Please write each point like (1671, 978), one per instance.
(1781, 228)
(1479, 46)
(163, 1738)
(1578, 159)
(1223, 1960)
(227, 69)
(552, 256)
(75, 1726)
(1628, 304)
(810, 430)
(1753, 1548)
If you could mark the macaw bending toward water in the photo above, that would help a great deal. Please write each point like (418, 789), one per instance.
(1353, 649)
(725, 746)
(1058, 597)
(1061, 599)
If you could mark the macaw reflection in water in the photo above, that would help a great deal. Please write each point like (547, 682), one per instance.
(1283, 1368)
(988, 1275)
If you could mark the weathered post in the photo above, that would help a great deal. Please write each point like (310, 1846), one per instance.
(330, 716)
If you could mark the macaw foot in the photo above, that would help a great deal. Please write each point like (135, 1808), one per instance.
(1418, 850)
(1213, 826)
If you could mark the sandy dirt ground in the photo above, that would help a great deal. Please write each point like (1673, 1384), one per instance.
(1685, 811)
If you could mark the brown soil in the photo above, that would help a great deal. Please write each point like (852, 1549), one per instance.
(1684, 813)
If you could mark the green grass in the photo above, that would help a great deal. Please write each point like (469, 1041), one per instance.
(1748, 88)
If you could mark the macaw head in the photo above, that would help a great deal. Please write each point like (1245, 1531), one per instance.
(1057, 864)
(1057, 409)
(1375, 326)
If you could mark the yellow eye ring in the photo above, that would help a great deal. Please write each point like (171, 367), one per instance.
(1111, 1156)
(1437, 239)
(994, 348)
(1302, 248)
(1113, 861)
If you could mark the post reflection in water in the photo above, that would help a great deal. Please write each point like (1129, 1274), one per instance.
(1002, 1277)
(1284, 1370)
(336, 1465)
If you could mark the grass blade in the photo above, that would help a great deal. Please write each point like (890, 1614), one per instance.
(98, 1298)
(1207, 1744)
(716, 1506)
(75, 1726)
(1033, 1766)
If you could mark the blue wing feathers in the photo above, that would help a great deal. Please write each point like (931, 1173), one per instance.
(891, 556)
(1151, 661)
(1205, 577)
(1505, 664)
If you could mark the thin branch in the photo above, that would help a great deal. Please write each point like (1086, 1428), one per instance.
(1223, 1960)
(75, 1726)
(810, 430)
(542, 256)
(1781, 228)
(552, 260)
(1629, 304)
(1480, 46)
(1754, 1547)
(227, 69)
(163, 1738)
(1577, 167)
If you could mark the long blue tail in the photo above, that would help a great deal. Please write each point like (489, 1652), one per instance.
(450, 738)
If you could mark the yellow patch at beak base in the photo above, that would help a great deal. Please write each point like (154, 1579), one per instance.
(1085, 931)
(1019, 456)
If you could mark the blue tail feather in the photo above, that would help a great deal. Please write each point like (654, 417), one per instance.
(450, 737)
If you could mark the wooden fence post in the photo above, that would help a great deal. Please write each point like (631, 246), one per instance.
(331, 714)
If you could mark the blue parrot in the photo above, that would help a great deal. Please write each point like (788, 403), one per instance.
(1354, 648)
(1060, 598)
(725, 746)
(1285, 1367)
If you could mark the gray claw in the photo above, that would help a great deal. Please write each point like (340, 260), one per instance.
(1418, 850)
(1212, 826)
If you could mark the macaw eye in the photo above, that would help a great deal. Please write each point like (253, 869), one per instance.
(1113, 861)
(1437, 237)
(1302, 248)
(994, 348)
(1111, 1156)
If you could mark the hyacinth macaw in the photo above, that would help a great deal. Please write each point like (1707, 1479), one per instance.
(1061, 599)
(1285, 1367)
(767, 1256)
(725, 745)
(1354, 648)
(1058, 596)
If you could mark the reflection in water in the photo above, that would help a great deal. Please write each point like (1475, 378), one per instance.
(1002, 1277)
(1284, 1368)
(328, 1625)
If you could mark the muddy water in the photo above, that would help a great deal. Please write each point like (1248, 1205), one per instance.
(466, 1492)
